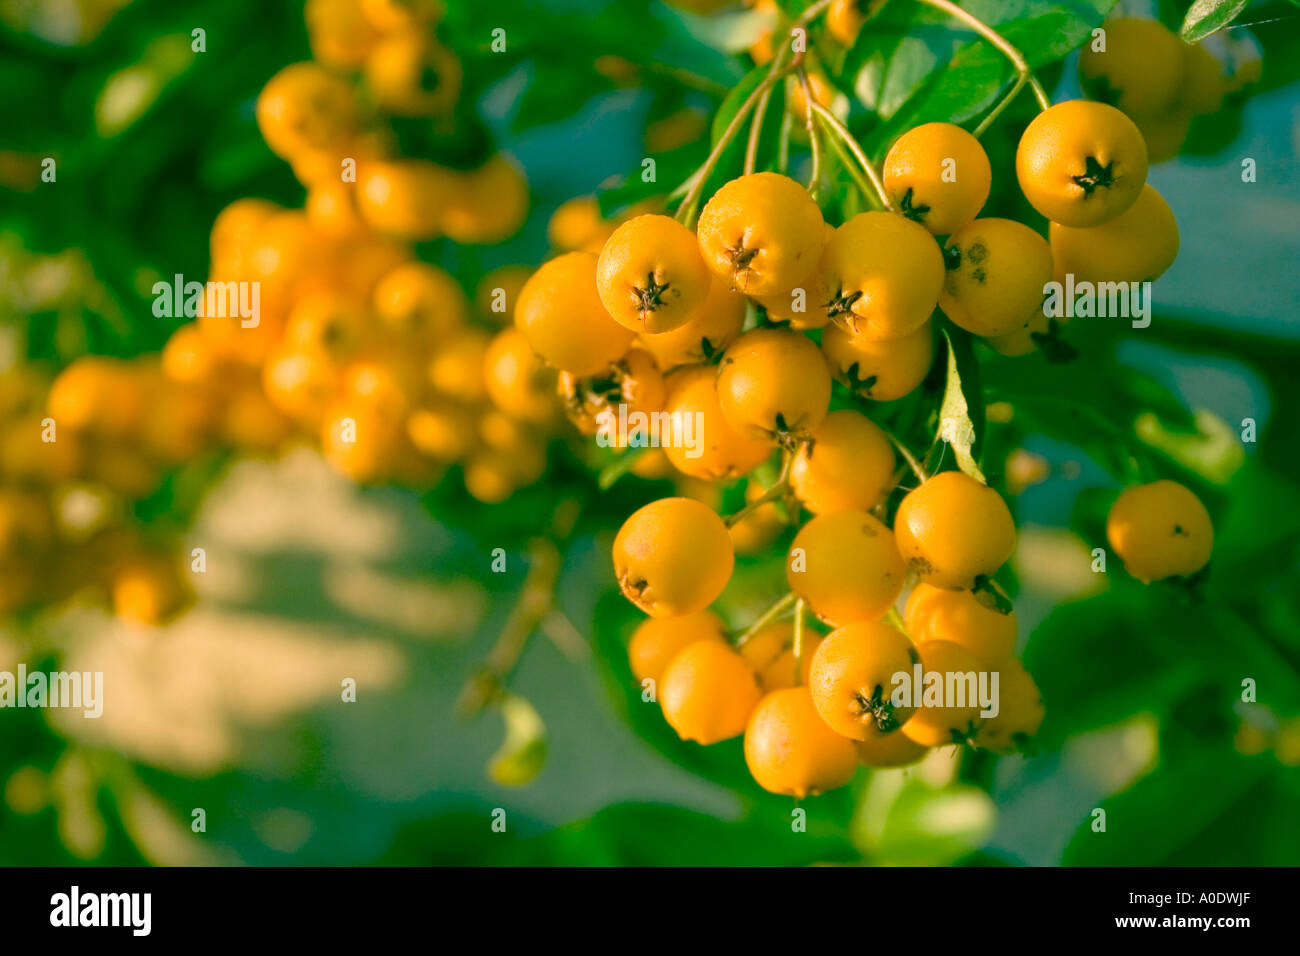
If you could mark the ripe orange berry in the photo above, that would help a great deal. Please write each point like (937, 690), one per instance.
(716, 451)
(762, 232)
(150, 589)
(391, 381)
(938, 175)
(248, 422)
(1140, 70)
(359, 440)
(846, 464)
(488, 205)
(560, 312)
(420, 303)
(890, 750)
(714, 326)
(954, 717)
(673, 557)
(1160, 530)
(456, 369)
(339, 32)
(937, 614)
(773, 383)
(577, 225)
(516, 380)
(300, 382)
(656, 641)
(390, 16)
(879, 369)
(444, 432)
(1020, 711)
(952, 530)
(998, 272)
(331, 207)
(305, 108)
(632, 385)
(881, 276)
(790, 750)
(708, 692)
(99, 394)
(405, 198)
(233, 232)
(1138, 245)
(189, 358)
(846, 566)
(650, 275)
(853, 678)
(335, 325)
(845, 18)
(1081, 163)
(409, 73)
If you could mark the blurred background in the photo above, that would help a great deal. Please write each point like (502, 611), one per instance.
(227, 734)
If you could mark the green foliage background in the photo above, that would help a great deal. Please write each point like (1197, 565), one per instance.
(139, 201)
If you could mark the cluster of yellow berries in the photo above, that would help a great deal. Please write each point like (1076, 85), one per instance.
(75, 456)
(1162, 83)
(649, 316)
(353, 342)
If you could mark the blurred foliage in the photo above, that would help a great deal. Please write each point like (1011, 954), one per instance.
(153, 140)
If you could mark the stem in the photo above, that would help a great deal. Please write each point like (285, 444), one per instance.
(908, 457)
(798, 641)
(756, 131)
(814, 178)
(536, 602)
(779, 488)
(766, 618)
(855, 174)
(686, 211)
(896, 619)
(833, 123)
(783, 144)
(1023, 73)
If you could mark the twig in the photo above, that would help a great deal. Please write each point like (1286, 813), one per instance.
(833, 123)
(767, 617)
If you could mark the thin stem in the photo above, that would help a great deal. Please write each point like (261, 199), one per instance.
(908, 457)
(756, 131)
(833, 123)
(767, 617)
(896, 619)
(1023, 73)
(783, 144)
(798, 641)
(686, 211)
(855, 174)
(814, 179)
(779, 488)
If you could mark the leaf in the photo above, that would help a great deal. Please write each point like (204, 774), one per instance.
(1206, 17)
(735, 100)
(957, 420)
(1148, 823)
(917, 65)
(903, 821)
(523, 752)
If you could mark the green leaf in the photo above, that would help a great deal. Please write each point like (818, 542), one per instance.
(903, 821)
(957, 417)
(522, 754)
(1147, 824)
(1206, 17)
(735, 100)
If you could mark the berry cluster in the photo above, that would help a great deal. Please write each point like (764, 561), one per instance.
(354, 344)
(778, 333)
